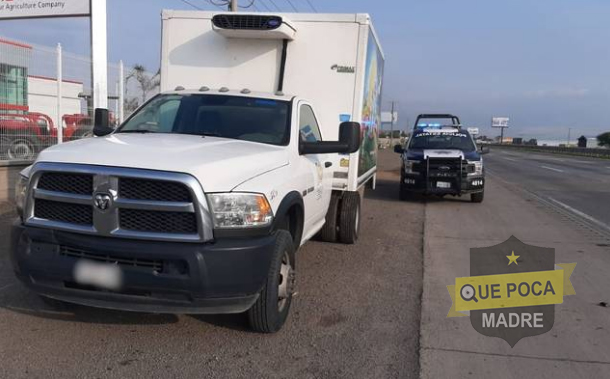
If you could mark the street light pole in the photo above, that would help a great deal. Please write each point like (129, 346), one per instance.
(392, 127)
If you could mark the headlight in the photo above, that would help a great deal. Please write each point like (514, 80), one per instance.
(478, 167)
(21, 189)
(409, 167)
(240, 210)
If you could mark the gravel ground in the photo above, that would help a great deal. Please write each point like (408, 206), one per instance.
(356, 315)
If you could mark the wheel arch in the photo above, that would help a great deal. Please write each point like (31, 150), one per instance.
(290, 216)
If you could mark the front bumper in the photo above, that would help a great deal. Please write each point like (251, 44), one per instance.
(160, 277)
(429, 185)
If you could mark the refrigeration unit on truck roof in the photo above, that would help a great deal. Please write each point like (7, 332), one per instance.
(332, 60)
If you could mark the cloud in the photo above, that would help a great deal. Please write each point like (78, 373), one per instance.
(558, 93)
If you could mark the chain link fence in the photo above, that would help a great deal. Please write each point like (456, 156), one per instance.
(46, 97)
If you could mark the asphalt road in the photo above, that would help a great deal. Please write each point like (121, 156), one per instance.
(356, 315)
(517, 203)
(578, 184)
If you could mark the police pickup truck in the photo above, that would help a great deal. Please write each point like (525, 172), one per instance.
(441, 158)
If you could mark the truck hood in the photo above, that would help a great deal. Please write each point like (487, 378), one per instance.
(219, 164)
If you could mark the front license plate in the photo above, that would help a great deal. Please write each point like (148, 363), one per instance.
(443, 185)
(102, 275)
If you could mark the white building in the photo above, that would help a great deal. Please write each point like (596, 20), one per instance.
(22, 92)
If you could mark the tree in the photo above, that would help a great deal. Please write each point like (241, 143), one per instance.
(604, 139)
(146, 82)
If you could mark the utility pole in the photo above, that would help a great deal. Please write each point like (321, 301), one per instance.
(569, 135)
(233, 6)
(392, 127)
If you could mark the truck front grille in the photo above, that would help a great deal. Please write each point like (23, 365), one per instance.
(139, 204)
(156, 190)
(64, 212)
(158, 222)
(68, 183)
(444, 168)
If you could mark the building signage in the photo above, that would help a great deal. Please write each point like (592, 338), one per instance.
(14, 9)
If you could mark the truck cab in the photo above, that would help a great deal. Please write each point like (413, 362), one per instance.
(441, 158)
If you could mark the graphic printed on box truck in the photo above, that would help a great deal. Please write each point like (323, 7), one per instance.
(371, 112)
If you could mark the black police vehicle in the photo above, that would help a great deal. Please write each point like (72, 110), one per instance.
(441, 158)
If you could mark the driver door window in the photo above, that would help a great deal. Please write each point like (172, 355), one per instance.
(308, 125)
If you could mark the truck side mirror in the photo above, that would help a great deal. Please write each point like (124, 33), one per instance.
(349, 142)
(398, 149)
(101, 126)
(349, 134)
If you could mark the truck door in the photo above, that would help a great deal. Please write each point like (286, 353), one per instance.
(316, 195)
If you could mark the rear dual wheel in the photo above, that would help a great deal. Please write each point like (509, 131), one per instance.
(349, 218)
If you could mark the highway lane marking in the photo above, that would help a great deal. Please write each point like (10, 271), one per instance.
(581, 214)
(551, 168)
(511, 159)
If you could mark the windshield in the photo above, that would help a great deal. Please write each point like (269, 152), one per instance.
(458, 141)
(242, 118)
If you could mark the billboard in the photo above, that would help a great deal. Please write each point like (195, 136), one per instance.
(389, 117)
(12, 9)
(500, 122)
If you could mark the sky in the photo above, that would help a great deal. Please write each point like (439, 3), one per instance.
(544, 63)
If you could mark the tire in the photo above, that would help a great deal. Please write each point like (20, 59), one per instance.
(349, 218)
(270, 311)
(477, 197)
(329, 230)
(403, 193)
(21, 148)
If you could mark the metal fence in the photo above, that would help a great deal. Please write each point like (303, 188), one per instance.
(580, 151)
(46, 97)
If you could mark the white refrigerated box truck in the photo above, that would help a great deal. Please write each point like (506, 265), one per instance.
(263, 134)
(334, 61)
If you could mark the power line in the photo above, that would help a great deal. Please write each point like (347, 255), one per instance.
(292, 5)
(275, 5)
(311, 5)
(221, 5)
(265, 5)
(249, 5)
(191, 4)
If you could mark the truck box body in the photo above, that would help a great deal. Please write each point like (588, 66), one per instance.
(332, 60)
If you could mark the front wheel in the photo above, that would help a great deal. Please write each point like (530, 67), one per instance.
(270, 311)
(477, 197)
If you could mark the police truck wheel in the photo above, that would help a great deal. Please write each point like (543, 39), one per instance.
(477, 197)
(403, 193)
(270, 311)
(329, 230)
(349, 218)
